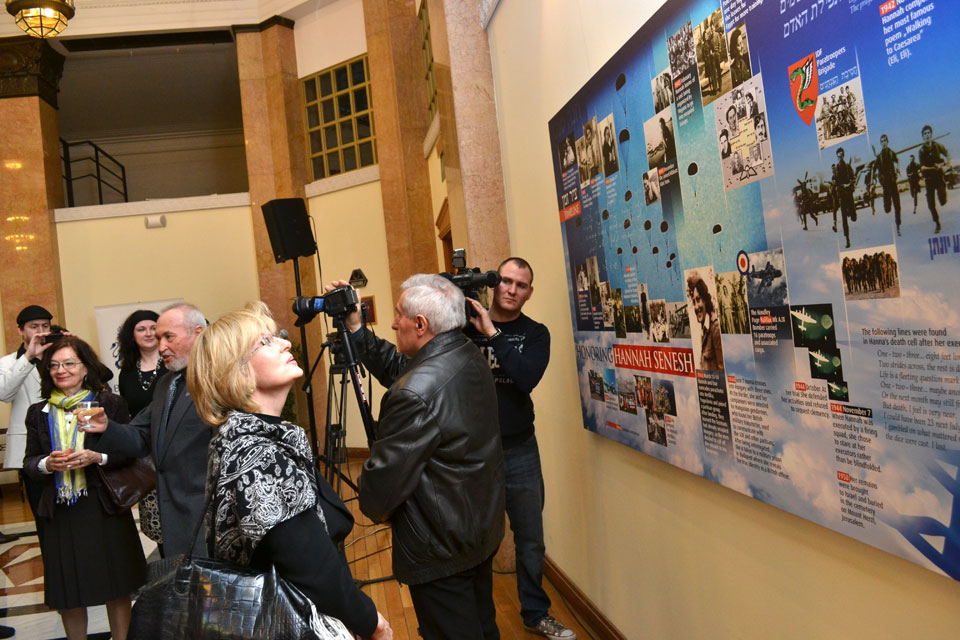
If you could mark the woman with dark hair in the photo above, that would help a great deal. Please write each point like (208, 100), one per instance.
(91, 552)
(711, 350)
(140, 368)
(269, 504)
(140, 362)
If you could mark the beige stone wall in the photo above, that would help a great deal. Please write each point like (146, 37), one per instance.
(205, 257)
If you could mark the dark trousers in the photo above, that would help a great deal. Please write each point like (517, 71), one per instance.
(525, 499)
(891, 195)
(936, 190)
(848, 211)
(458, 607)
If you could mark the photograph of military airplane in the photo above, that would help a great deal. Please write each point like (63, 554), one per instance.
(765, 275)
(802, 319)
(766, 287)
(838, 392)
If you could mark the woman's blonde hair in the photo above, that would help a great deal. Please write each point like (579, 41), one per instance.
(218, 377)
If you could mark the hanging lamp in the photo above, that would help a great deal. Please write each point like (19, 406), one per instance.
(41, 18)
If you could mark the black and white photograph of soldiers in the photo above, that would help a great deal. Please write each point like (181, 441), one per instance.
(739, 52)
(732, 302)
(681, 50)
(651, 186)
(608, 147)
(742, 140)
(870, 273)
(840, 114)
(679, 320)
(712, 58)
(662, 88)
(661, 146)
(567, 152)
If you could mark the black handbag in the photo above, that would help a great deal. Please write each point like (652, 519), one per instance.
(126, 485)
(206, 599)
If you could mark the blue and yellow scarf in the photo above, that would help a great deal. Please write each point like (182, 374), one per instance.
(64, 435)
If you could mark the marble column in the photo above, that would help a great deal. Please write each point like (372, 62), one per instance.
(31, 186)
(471, 150)
(469, 130)
(276, 168)
(399, 105)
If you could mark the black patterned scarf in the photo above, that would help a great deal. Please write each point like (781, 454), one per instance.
(261, 474)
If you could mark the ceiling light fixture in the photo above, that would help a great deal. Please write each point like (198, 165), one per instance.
(41, 18)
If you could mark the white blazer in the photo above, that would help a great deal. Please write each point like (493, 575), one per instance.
(19, 385)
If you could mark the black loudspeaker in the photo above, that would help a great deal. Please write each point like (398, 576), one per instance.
(289, 228)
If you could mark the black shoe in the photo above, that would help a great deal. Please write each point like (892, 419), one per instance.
(848, 243)
(898, 231)
(7, 537)
(938, 228)
(7, 632)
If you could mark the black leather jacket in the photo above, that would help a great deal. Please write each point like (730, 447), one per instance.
(436, 467)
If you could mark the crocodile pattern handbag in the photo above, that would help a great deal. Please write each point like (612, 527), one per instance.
(206, 599)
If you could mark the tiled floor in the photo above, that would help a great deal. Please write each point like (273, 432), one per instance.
(21, 581)
(21, 578)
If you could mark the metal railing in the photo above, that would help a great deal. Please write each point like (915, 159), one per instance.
(110, 174)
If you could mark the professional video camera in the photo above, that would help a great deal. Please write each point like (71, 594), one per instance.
(469, 280)
(336, 303)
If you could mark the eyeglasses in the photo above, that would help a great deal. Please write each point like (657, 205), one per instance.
(69, 365)
(267, 341)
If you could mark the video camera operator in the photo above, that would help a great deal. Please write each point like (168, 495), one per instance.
(435, 469)
(518, 350)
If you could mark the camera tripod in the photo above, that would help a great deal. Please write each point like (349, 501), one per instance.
(345, 370)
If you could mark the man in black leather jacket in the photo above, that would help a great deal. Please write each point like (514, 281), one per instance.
(436, 468)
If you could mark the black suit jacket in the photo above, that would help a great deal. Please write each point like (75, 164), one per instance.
(181, 462)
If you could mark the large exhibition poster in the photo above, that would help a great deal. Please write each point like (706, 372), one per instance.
(762, 233)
